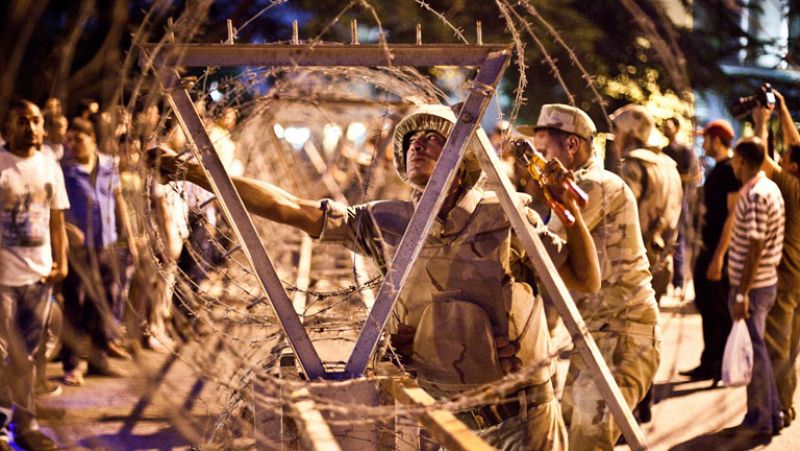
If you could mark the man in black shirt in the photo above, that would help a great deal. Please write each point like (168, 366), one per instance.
(710, 275)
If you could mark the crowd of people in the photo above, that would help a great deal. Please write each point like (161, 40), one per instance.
(69, 240)
(68, 232)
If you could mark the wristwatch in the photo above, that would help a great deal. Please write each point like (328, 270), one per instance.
(739, 297)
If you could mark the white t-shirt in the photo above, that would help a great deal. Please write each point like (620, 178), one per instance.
(29, 189)
(55, 150)
(178, 211)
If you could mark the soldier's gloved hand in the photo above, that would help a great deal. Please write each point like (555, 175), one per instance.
(507, 354)
(403, 340)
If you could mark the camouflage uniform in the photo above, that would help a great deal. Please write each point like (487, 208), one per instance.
(459, 294)
(656, 184)
(622, 316)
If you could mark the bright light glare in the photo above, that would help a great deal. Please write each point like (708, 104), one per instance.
(278, 128)
(357, 132)
(331, 133)
(215, 94)
(297, 136)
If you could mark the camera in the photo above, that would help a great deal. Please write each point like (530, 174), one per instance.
(765, 96)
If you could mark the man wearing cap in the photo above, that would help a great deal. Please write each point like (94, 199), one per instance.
(462, 319)
(622, 316)
(711, 286)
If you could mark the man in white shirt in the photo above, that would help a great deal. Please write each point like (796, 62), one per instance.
(33, 255)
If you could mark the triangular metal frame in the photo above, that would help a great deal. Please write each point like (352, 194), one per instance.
(492, 59)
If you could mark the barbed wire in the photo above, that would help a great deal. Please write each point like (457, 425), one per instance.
(248, 343)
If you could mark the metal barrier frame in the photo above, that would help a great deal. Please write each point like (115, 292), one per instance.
(492, 61)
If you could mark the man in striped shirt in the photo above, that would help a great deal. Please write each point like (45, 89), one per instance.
(753, 258)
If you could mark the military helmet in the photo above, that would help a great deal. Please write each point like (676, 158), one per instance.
(633, 119)
(439, 118)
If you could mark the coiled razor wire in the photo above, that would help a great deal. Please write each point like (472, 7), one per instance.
(233, 342)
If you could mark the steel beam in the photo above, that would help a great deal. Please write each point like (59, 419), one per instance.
(286, 55)
(547, 274)
(430, 203)
(302, 281)
(241, 223)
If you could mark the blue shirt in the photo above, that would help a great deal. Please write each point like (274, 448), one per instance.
(91, 198)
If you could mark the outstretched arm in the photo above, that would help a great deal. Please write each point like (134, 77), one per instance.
(761, 117)
(790, 134)
(260, 198)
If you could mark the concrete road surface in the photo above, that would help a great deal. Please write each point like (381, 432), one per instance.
(137, 415)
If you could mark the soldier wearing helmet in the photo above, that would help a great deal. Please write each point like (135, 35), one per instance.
(622, 316)
(656, 184)
(462, 319)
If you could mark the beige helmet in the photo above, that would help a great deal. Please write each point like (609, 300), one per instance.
(569, 119)
(633, 119)
(439, 118)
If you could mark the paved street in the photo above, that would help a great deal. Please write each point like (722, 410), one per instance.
(688, 414)
(128, 414)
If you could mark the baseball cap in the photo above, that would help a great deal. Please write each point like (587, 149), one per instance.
(562, 117)
(720, 126)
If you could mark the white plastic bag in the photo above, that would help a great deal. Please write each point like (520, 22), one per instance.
(737, 362)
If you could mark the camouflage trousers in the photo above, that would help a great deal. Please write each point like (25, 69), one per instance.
(633, 360)
(540, 427)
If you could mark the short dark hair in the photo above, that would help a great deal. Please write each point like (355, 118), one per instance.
(794, 154)
(50, 120)
(674, 121)
(81, 125)
(751, 150)
(16, 104)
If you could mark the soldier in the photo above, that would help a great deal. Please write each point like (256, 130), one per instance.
(656, 184)
(622, 316)
(461, 294)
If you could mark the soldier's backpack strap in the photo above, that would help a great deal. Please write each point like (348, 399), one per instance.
(645, 180)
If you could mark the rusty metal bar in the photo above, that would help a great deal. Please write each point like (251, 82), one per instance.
(302, 281)
(240, 221)
(548, 276)
(365, 55)
(431, 201)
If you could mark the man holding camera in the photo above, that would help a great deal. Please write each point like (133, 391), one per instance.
(783, 320)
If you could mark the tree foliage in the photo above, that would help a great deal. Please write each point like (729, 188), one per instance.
(74, 49)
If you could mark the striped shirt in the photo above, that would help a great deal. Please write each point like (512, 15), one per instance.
(759, 216)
